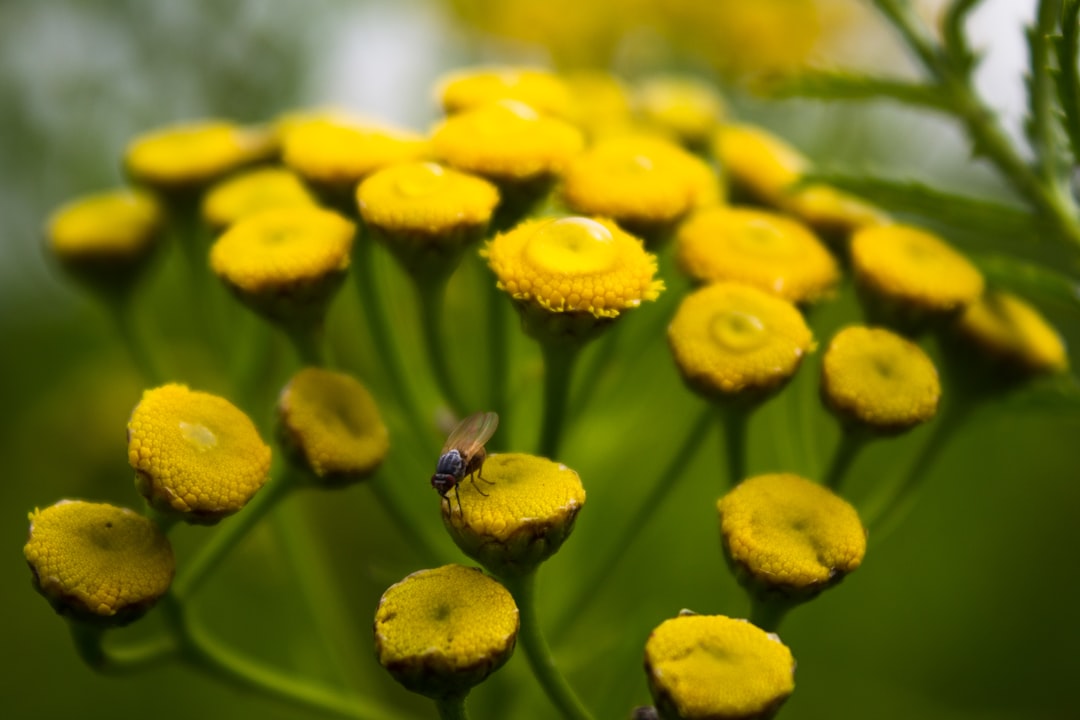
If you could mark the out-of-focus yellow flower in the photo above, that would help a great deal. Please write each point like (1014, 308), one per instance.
(731, 339)
(440, 632)
(690, 110)
(192, 155)
(329, 422)
(469, 88)
(783, 532)
(879, 379)
(644, 183)
(777, 254)
(250, 192)
(195, 455)
(521, 516)
(98, 563)
(708, 667)
(1008, 328)
(600, 102)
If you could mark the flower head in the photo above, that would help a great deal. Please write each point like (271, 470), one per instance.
(688, 109)
(1010, 329)
(730, 339)
(252, 191)
(769, 251)
(879, 379)
(711, 667)
(329, 422)
(195, 455)
(601, 102)
(97, 562)
(440, 632)
(521, 517)
(785, 533)
(469, 88)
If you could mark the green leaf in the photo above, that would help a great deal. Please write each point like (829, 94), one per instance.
(1043, 285)
(1052, 393)
(1066, 79)
(956, 45)
(836, 85)
(1041, 124)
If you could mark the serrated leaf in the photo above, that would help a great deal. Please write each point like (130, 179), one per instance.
(956, 45)
(1066, 80)
(1043, 285)
(830, 85)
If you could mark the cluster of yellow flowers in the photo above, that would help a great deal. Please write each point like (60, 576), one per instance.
(583, 188)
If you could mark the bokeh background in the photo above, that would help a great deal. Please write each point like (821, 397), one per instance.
(966, 612)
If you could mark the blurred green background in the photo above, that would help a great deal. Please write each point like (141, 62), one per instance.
(965, 612)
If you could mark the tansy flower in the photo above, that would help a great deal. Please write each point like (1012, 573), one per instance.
(759, 248)
(252, 191)
(911, 271)
(711, 667)
(190, 156)
(97, 562)
(785, 533)
(469, 88)
(330, 424)
(644, 183)
(105, 239)
(686, 108)
(879, 379)
(600, 102)
(517, 515)
(195, 455)
(1007, 328)
(440, 632)
(730, 339)
(286, 263)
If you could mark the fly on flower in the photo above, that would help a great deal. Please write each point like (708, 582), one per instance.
(463, 454)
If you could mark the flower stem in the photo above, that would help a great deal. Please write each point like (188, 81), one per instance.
(523, 588)
(308, 343)
(768, 612)
(122, 312)
(852, 442)
(559, 361)
(431, 295)
(734, 419)
(498, 353)
(399, 516)
(90, 646)
(452, 708)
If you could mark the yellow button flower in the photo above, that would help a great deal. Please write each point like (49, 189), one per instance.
(330, 423)
(642, 182)
(469, 88)
(195, 454)
(601, 102)
(252, 191)
(912, 268)
(831, 211)
(97, 562)
(1012, 330)
(877, 378)
(711, 667)
(574, 265)
(192, 155)
(729, 338)
(688, 109)
(440, 632)
(759, 248)
(507, 141)
(783, 532)
(518, 515)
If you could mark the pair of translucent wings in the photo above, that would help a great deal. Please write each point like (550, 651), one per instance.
(471, 433)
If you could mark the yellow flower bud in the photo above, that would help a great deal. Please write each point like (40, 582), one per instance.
(195, 455)
(253, 191)
(688, 109)
(711, 667)
(441, 632)
(469, 88)
(1009, 329)
(98, 563)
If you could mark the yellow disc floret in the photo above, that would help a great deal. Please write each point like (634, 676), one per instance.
(574, 265)
(729, 338)
(116, 226)
(98, 562)
(252, 191)
(1012, 330)
(469, 88)
(787, 533)
(711, 667)
(759, 248)
(516, 514)
(913, 268)
(879, 378)
(332, 425)
(688, 109)
(195, 454)
(440, 632)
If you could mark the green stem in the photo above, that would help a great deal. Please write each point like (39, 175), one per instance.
(559, 361)
(768, 612)
(122, 311)
(90, 646)
(852, 442)
(734, 419)
(413, 533)
(499, 353)
(431, 295)
(308, 343)
(562, 696)
(452, 708)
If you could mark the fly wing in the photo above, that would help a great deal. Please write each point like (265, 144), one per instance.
(471, 433)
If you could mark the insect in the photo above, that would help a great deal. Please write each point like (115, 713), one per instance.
(463, 454)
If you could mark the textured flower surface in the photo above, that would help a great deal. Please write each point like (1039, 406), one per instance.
(195, 154)
(120, 224)
(250, 192)
(469, 88)
(1011, 329)
(195, 453)
(98, 561)
(787, 532)
(339, 151)
(711, 667)
(688, 109)
(439, 632)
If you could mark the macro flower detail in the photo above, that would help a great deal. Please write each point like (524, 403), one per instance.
(329, 422)
(879, 379)
(195, 454)
(686, 108)
(1009, 329)
(470, 88)
(774, 253)
(711, 667)
(98, 563)
(729, 338)
(783, 532)
(518, 515)
(440, 632)
(251, 191)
